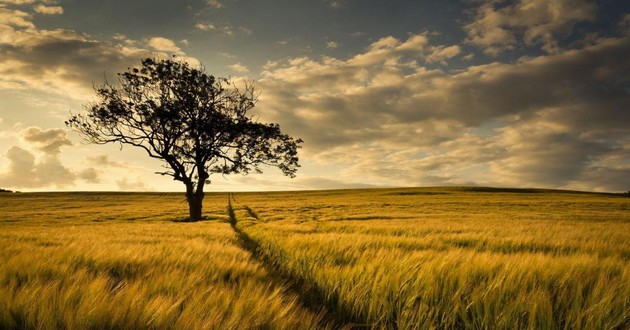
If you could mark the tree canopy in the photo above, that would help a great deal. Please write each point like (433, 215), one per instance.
(196, 123)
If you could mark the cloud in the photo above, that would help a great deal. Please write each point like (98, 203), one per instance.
(468, 57)
(299, 183)
(541, 152)
(223, 28)
(205, 26)
(215, 4)
(18, 2)
(62, 61)
(125, 184)
(49, 141)
(497, 26)
(89, 175)
(119, 37)
(238, 67)
(104, 161)
(161, 44)
(624, 24)
(336, 3)
(26, 171)
(48, 10)
(13, 18)
(442, 53)
(486, 123)
(331, 44)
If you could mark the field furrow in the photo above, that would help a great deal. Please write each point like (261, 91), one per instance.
(310, 294)
(401, 259)
(384, 259)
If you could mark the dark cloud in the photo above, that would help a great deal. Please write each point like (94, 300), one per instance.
(345, 98)
(541, 121)
(498, 25)
(89, 175)
(65, 61)
(545, 154)
(49, 141)
(588, 85)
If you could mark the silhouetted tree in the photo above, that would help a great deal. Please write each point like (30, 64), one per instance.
(196, 123)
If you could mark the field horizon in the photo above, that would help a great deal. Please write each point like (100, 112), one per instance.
(470, 188)
(381, 258)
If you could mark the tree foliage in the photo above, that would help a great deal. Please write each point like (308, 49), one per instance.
(196, 123)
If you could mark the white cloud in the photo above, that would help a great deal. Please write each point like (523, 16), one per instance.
(18, 2)
(468, 57)
(331, 44)
(48, 10)
(11, 19)
(442, 53)
(223, 28)
(215, 4)
(25, 170)
(162, 44)
(238, 67)
(415, 43)
(497, 26)
(205, 26)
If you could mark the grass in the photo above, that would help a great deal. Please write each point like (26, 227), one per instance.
(114, 261)
(455, 258)
(384, 258)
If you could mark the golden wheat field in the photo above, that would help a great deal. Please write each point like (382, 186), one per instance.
(417, 258)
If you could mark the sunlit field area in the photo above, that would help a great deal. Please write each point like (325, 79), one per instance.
(118, 261)
(420, 258)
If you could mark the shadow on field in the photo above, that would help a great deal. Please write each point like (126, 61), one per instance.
(310, 295)
(203, 218)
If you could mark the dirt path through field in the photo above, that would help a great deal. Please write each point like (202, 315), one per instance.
(310, 295)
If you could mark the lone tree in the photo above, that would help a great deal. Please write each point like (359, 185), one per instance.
(196, 123)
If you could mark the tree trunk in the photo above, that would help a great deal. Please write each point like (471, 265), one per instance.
(195, 201)
(195, 205)
(195, 196)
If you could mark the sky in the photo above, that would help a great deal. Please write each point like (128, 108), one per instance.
(385, 93)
